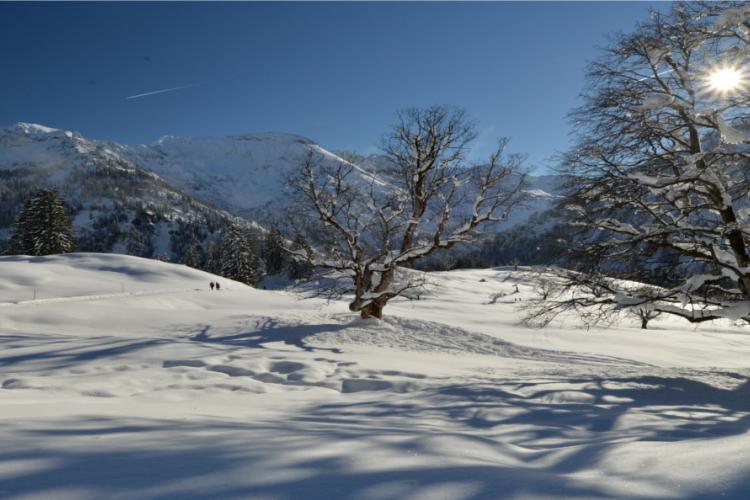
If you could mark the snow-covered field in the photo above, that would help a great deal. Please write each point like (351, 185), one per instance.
(127, 378)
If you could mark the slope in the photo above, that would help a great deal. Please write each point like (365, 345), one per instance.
(177, 391)
(117, 205)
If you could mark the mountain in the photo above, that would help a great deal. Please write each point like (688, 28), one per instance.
(244, 174)
(118, 206)
(157, 199)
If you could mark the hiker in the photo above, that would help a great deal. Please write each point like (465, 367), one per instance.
(218, 287)
(211, 285)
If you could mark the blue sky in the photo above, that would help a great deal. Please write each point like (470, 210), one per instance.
(334, 72)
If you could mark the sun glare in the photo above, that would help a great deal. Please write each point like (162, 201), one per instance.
(725, 79)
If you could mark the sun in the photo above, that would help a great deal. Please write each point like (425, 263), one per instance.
(725, 79)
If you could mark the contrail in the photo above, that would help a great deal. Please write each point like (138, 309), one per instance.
(160, 91)
(666, 71)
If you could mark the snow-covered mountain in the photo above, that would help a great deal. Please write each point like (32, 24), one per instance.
(242, 173)
(135, 199)
(118, 206)
(238, 173)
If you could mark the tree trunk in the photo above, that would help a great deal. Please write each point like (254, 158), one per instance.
(644, 323)
(372, 309)
(375, 308)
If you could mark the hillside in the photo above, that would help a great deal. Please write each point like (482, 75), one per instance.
(117, 205)
(158, 199)
(153, 200)
(127, 377)
(243, 174)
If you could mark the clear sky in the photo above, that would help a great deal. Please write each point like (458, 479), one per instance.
(334, 72)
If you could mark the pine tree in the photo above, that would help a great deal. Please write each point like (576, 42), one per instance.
(161, 257)
(212, 263)
(238, 261)
(274, 254)
(43, 226)
(194, 257)
(14, 245)
(300, 266)
(141, 234)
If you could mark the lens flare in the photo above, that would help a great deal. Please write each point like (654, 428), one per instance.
(725, 79)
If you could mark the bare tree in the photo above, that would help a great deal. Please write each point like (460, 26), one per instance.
(661, 167)
(645, 315)
(371, 226)
(598, 300)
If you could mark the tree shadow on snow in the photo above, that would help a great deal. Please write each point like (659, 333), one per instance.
(160, 459)
(269, 330)
(65, 353)
(475, 441)
(546, 427)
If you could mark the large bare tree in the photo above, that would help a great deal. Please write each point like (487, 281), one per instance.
(370, 226)
(661, 170)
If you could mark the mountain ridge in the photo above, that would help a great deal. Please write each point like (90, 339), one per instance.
(172, 183)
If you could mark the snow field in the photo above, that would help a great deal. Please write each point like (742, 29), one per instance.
(169, 390)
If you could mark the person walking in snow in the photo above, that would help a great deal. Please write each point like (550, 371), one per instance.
(218, 287)
(211, 285)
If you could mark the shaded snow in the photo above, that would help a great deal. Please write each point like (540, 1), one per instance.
(169, 390)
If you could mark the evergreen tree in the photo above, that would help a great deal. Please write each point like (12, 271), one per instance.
(141, 234)
(14, 245)
(274, 254)
(161, 257)
(238, 261)
(194, 257)
(43, 226)
(212, 263)
(300, 266)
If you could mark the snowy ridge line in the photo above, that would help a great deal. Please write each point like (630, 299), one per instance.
(84, 298)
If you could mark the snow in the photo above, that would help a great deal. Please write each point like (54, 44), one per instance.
(729, 134)
(246, 174)
(241, 173)
(732, 17)
(128, 378)
(655, 54)
(539, 193)
(656, 101)
(33, 129)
